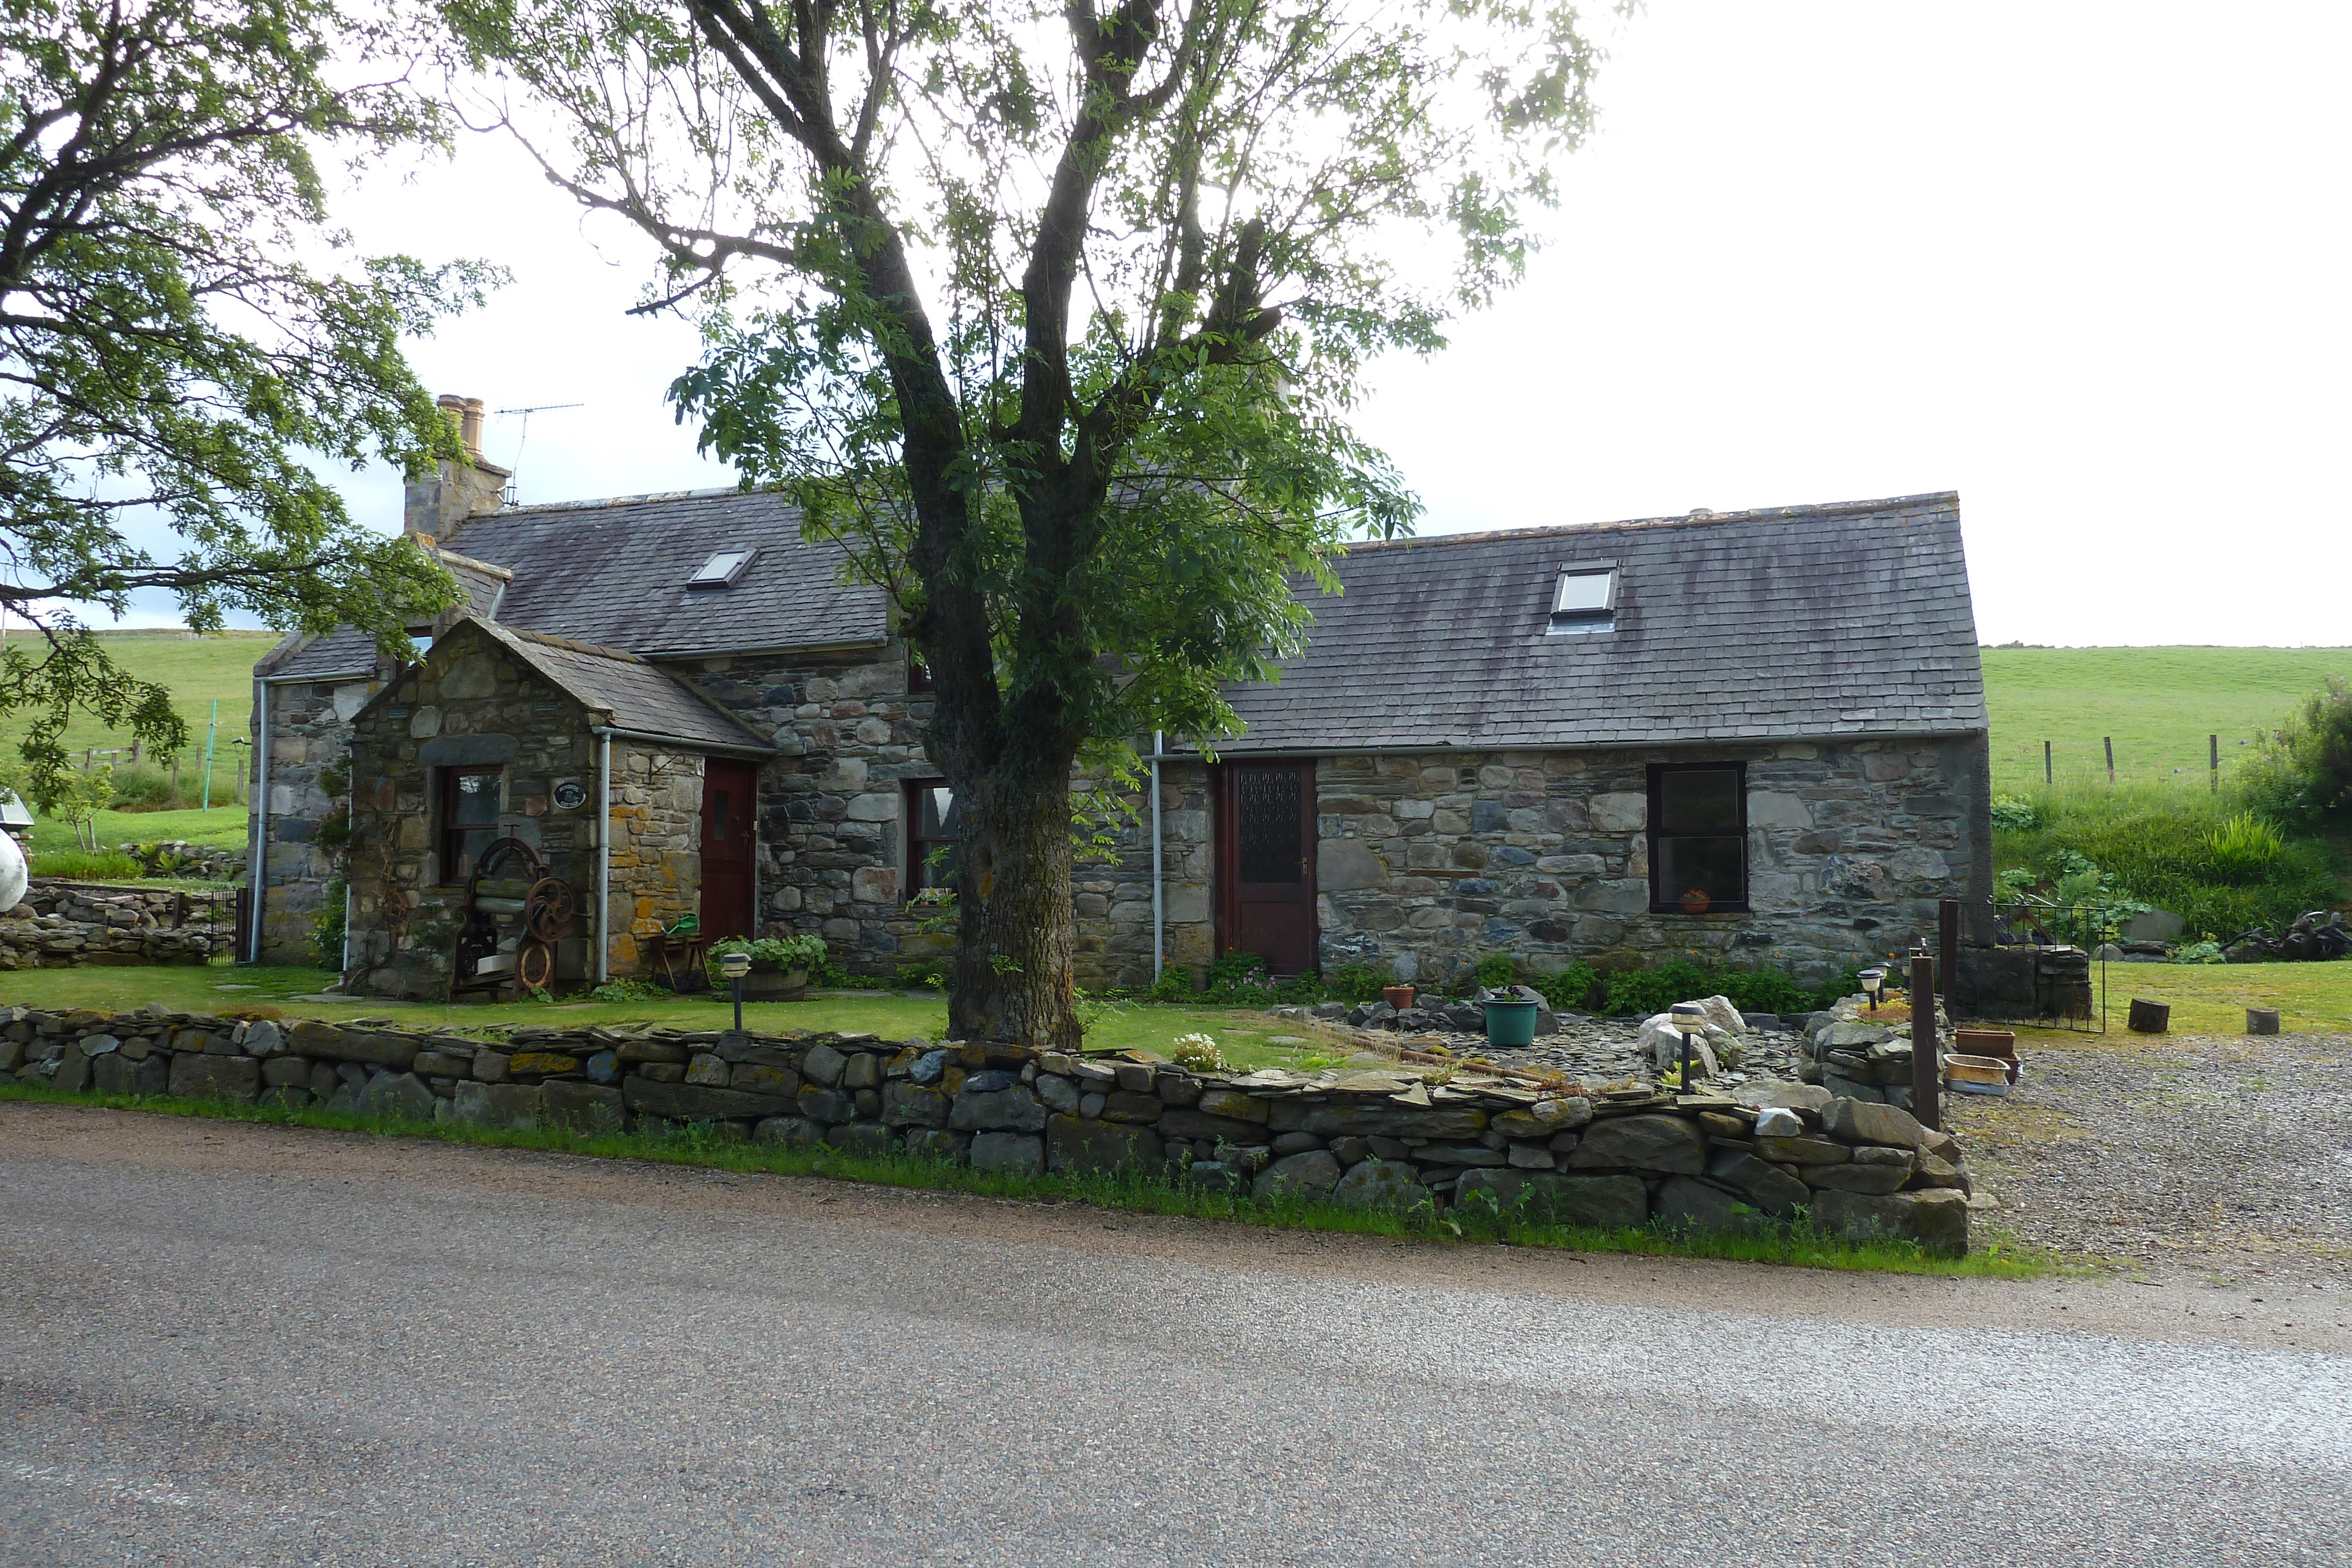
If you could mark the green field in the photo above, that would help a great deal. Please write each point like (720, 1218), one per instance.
(2158, 704)
(197, 670)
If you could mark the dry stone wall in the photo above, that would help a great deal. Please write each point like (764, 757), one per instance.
(1351, 1136)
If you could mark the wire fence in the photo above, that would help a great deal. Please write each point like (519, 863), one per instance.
(2203, 762)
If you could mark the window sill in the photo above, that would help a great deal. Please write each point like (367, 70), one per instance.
(1710, 909)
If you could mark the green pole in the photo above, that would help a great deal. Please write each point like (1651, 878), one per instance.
(211, 726)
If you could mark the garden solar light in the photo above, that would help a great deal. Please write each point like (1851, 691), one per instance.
(1689, 1018)
(1873, 982)
(735, 965)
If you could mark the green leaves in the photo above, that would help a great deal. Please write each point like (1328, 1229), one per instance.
(168, 366)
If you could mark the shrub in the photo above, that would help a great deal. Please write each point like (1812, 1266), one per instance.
(1353, 983)
(2013, 815)
(1759, 991)
(1496, 970)
(2302, 771)
(144, 787)
(1575, 989)
(779, 954)
(1172, 986)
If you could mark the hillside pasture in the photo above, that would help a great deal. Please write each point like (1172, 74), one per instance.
(2157, 704)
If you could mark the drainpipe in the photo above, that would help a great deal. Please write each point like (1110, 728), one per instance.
(351, 771)
(260, 859)
(1158, 894)
(604, 734)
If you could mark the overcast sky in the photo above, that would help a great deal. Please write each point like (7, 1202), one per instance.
(2083, 263)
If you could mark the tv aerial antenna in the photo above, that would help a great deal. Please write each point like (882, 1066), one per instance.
(514, 468)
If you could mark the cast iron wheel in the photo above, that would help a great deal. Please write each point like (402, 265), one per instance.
(547, 908)
(534, 965)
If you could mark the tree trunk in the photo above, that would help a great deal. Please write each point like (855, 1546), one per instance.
(1014, 939)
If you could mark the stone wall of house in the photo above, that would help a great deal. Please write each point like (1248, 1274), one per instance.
(1113, 897)
(1429, 863)
(310, 736)
(1362, 1138)
(832, 837)
(472, 702)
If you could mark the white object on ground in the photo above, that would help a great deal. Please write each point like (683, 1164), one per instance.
(16, 876)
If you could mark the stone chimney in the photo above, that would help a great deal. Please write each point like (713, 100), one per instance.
(438, 503)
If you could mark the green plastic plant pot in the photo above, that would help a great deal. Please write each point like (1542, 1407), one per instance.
(1510, 1023)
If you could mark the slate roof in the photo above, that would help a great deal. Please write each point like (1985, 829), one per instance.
(636, 695)
(613, 573)
(1791, 622)
(297, 657)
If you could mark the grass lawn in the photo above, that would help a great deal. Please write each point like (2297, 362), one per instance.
(1246, 1037)
(2212, 998)
(2158, 704)
(222, 826)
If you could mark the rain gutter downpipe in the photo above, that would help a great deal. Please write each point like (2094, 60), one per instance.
(1159, 892)
(604, 734)
(260, 858)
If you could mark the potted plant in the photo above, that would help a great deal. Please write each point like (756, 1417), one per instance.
(1397, 997)
(779, 965)
(1695, 900)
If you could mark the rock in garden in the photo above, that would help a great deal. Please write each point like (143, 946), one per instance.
(1591, 1202)
(1087, 1148)
(822, 1064)
(1860, 1122)
(389, 1094)
(1022, 1153)
(197, 1077)
(1015, 1109)
(1312, 1173)
(1760, 1182)
(1871, 1179)
(1664, 1143)
(584, 1107)
(1686, 1203)
(1379, 1184)
(1777, 1122)
(1937, 1218)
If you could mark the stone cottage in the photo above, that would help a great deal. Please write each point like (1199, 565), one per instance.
(1758, 737)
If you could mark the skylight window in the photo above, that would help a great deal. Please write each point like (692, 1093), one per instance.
(721, 569)
(1585, 599)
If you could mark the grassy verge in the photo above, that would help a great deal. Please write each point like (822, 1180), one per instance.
(1793, 1247)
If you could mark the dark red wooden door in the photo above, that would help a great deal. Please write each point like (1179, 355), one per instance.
(1265, 862)
(729, 838)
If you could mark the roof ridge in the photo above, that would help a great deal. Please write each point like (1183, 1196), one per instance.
(1700, 518)
(647, 498)
(573, 644)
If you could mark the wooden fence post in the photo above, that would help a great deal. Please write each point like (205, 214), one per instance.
(2045, 764)
(1925, 1070)
(2213, 762)
(2111, 759)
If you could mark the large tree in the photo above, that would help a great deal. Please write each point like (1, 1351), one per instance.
(181, 334)
(1055, 317)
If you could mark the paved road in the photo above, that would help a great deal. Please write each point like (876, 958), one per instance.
(242, 1346)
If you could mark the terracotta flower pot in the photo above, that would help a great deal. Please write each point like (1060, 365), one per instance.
(1694, 901)
(1397, 997)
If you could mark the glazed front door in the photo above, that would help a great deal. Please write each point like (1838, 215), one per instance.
(729, 838)
(1265, 862)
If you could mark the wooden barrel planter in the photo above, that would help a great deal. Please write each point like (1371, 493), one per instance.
(2262, 1020)
(775, 986)
(2148, 1016)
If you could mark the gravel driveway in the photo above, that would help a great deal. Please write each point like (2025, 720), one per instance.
(2225, 1156)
